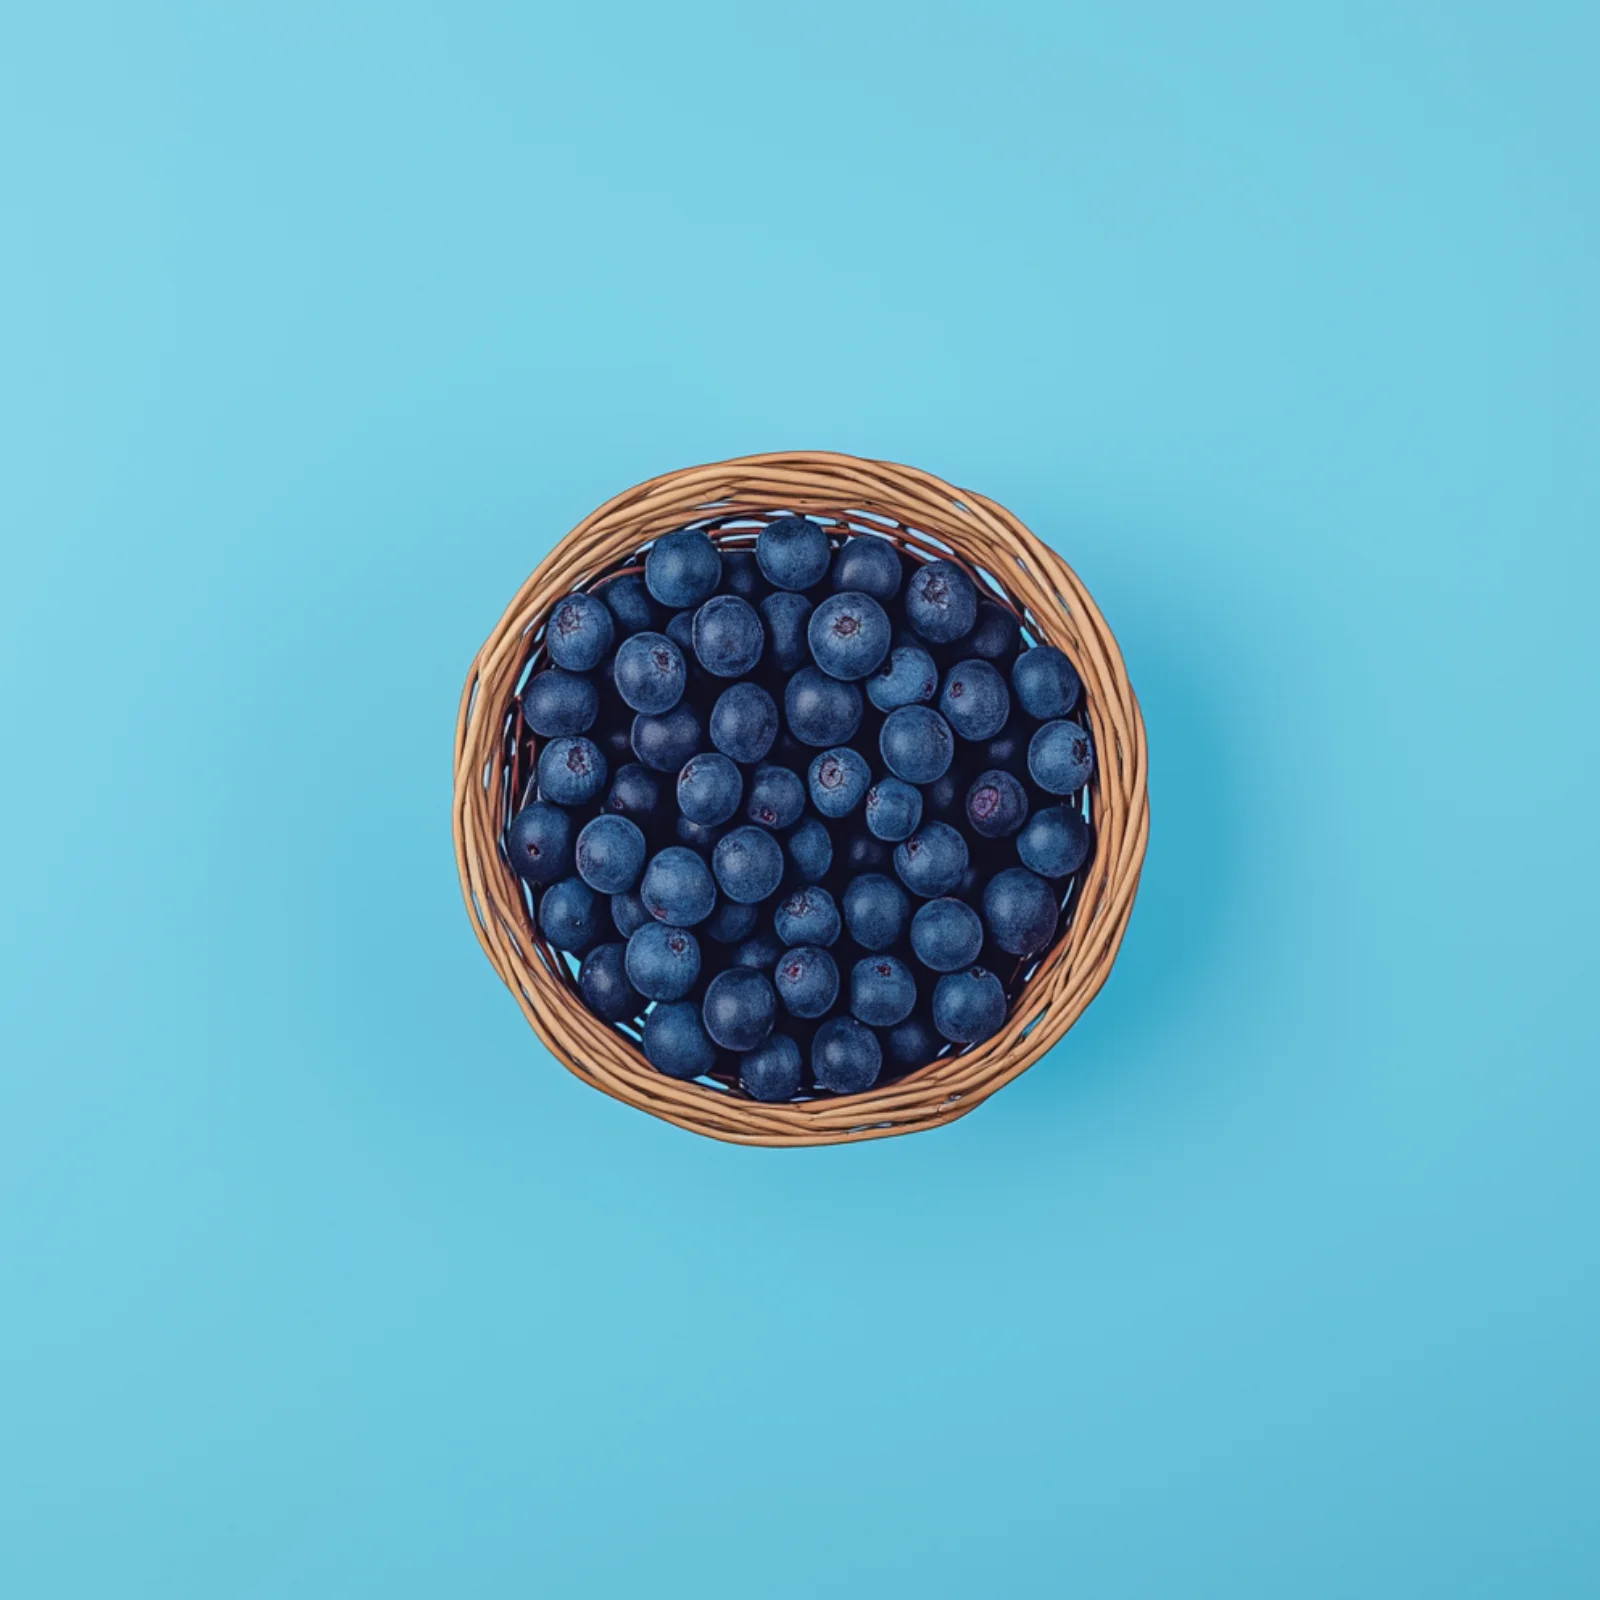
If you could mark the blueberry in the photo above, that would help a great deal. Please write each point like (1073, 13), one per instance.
(728, 636)
(748, 863)
(945, 799)
(875, 911)
(786, 614)
(739, 1008)
(628, 600)
(941, 602)
(760, 950)
(838, 781)
(793, 553)
(1008, 750)
(868, 564)
(909, 677)
(683, 569)
(969, 1006)
(558, 704)
(946, 934)
(1047, 684)
(730, 923)
(675, 1041)
(650, 673)
(772, 1071)
(744, 722)
(821, 710)
(539, 843)
(709, 788)
(741, 575)
(996, 634)
(677, 887)
(849, 635)
(912, 1043)
(610, 854)
(603, 983)
(810, 850)
(665, 742)
(579, 633)
(808, 916)
(916, 744)
(1060, 757)
(893, 809)
(1055, 842)
(975, 700)
(845, 1057)
(807, 980)
(572, 772)
(1021, 911)
(777, 797)
(864, 853)
(680, 630)
(882, 991)
(932, 860)
(997, 805)
(663, 961)
(569, 915)
(697, 835)
(628, 913)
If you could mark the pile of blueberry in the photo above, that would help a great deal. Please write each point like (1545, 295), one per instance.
(796, 807)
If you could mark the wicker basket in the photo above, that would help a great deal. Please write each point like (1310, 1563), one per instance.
(928, 518)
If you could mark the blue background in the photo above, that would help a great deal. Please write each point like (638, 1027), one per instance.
(321, 324)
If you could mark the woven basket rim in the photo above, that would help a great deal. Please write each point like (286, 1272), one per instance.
(915, 510)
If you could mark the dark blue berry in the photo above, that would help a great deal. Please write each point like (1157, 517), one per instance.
(970, 1006)
(579, 633)
(777, 797)
(1008, 750)
(893, 809)
(772, 1071)
(786, 614)
(730, 922)
(739, 1008)
(728, 636)
(997, 805)
(628, 913)
(793, 553)
(810, 850)
(683, 569)
(1055, 842)
(909, 677)
(916, 744)
(663, 961)
(941, 602)
(838, 781)
(849, 635)
(539, 843)
(603, 983)
(677, 887)
(882, 991)
(697, 835)
(808, 916)
(1046, 683)
(945, 799)
(869, 564)
(572, 772)
(975, 700)
(807, 980)
(744, 722)
(558, 704)
(676, 1042)
(1060, 757)
(912, 1043)
(610, 854)
(845, 1056)
(680, 630)
(946, 935)
(761, 951)
(996, 634)
(932, 860)
(665, 742)
(1021, 911)
(748, 863)
(876, 911)
(709, 788)
(741, 575)
(821, 710)
(650, 673)
(570, 915)
(864, 853)
(628, 600)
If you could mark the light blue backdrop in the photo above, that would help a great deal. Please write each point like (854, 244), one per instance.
(321, 323)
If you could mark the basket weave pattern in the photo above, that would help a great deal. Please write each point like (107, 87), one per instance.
(927, 518)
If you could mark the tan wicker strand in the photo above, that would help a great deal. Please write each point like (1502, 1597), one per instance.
(929, 518)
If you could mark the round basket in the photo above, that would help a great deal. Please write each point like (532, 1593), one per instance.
(732, 500)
